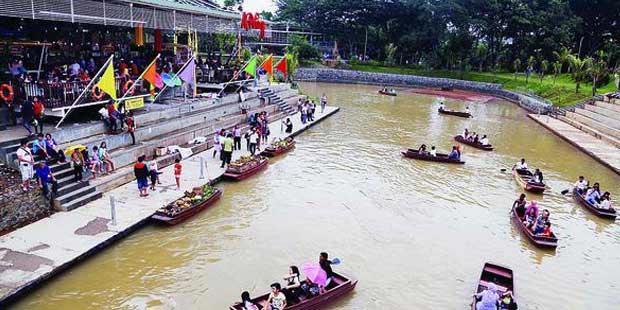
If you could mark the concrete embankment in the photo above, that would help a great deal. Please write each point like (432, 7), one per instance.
(42, 250)
(530, 103)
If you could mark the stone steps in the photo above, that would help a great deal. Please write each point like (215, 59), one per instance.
(604, 120)
(574, 120)
(82, 200)
(604, 129)
(609, 106)
(609, 113)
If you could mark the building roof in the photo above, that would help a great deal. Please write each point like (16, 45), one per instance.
(206, 7)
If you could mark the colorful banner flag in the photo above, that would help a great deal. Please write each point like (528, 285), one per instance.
(250, 68)
(153, 77)
(268, 65)
(281, 66)
(107, 82)
(188, 73)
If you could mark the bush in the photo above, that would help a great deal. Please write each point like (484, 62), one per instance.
(303, 49)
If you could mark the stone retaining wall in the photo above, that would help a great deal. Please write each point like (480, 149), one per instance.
(529, 103)
(16, 207)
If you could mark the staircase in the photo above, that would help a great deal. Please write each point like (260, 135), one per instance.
(599, 119)
(72, 194)
(277, 100)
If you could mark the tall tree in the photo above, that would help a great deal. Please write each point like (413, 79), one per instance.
(579, 69)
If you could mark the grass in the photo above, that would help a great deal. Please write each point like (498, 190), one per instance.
(561, 93)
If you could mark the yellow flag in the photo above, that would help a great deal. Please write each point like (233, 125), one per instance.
(107, 83)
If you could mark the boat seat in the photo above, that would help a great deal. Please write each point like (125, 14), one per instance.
(499, 287)
(498, 271)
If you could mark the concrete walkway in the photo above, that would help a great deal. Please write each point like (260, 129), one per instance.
(604, 152)
(34, 253)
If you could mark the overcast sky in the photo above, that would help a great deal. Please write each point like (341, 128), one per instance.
(258, 5)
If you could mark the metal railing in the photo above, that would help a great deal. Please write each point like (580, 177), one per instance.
(63, 93)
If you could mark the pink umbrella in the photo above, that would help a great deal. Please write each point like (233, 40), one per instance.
(315, 273)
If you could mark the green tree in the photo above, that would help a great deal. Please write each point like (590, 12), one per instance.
(304, 50)
(233, 4)
(557, 70)
(531, 61)
(544, 66)
(562, 57)
(579, 69)
(597, 71)
(390, 51)
(516, 65)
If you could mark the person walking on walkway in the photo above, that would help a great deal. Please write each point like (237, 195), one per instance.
(227, 147)
(323, 102)
(217, 143)
(253, 141)
(141, 172)
(247, 139)
(26, 163)
(237, 137)
(178, 168)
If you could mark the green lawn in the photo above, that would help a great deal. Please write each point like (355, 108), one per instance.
(562, 93)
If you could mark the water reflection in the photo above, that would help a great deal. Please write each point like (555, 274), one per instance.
(414, 233)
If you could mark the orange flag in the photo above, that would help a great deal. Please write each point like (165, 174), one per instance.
(268, 65)
(281, 66)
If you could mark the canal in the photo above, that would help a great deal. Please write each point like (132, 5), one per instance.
(415, 234)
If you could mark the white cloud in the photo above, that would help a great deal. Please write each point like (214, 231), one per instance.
(258, 5)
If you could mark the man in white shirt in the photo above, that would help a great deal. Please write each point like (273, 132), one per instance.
(433, 151)
(484, 140)
(522, 165)
(581, 185)
(26, 163)
(253, 142)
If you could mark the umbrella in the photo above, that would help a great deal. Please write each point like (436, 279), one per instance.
(315, 273)
(79, 147)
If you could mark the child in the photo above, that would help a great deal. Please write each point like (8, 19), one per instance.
(95, 163)
(78, 165)
(177, 172)
(154, 174)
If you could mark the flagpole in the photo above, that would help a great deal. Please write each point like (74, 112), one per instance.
(166, 85)
(105, 65)
(138, 79)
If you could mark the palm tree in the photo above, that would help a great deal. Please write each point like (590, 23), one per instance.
(557, 69)
(579, 69)
(516, 65)
(544, 66)
(530, 68)
(597, 71)
(563, 57)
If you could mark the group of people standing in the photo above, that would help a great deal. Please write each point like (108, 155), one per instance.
(307, 108)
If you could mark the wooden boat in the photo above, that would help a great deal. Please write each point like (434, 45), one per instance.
(540, 241)
(524, 180)
(501, 276)
(455, 113)
(340, 285)
(161, 216)
(240, 171)
(277, 149)
(442, 158)
(478, 145)
(604, 213)
(387, 93)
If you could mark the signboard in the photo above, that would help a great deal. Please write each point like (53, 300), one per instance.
(134, 103)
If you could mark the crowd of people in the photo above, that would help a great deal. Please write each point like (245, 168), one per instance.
(282, 296)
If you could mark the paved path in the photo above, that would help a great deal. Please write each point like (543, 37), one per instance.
(604, 152)
(34, 253)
